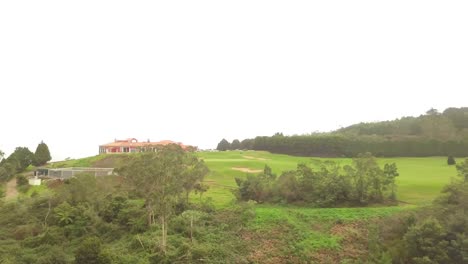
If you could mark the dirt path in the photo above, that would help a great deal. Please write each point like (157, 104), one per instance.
(11, 191)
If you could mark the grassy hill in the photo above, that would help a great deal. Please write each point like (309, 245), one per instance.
(274, 233)
(420, 180)
(98, 161)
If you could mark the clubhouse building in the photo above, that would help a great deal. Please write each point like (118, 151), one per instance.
(131, 145)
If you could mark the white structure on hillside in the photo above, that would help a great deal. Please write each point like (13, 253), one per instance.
(35, 181)
(66, 173)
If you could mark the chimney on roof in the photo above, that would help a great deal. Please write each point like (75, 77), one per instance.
(149, 140)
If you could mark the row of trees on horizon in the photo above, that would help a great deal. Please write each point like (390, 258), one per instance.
(432, 134)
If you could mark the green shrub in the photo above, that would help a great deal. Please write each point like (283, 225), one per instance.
(91, 252)
(21, 180)
(54, 255)
(427, 241)
(451, 160)
(4, 176)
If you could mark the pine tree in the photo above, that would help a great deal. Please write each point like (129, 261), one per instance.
(223, 145)
(235, 144)
(451, 160)
(42, 154)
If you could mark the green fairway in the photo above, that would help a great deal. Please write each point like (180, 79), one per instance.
(420, 180)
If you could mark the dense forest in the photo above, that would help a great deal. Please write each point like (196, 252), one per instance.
(431, 134)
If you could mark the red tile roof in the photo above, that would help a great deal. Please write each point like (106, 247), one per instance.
(132, 142)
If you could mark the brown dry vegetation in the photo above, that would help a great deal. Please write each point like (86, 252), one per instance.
(353, 244)
(270, 247)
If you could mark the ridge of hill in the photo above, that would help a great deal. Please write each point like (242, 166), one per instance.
(98, 161)
(451, 124)
(431, 134)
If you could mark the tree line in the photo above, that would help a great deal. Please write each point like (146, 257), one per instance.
(432, 134)
(451, 124)
(325, 184)
(21, 159)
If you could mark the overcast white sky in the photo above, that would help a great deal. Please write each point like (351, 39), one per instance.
(77, 74)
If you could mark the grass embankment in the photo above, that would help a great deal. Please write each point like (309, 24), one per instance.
(84, 162)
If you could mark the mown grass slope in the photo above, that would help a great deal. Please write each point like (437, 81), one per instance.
(420, 180)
